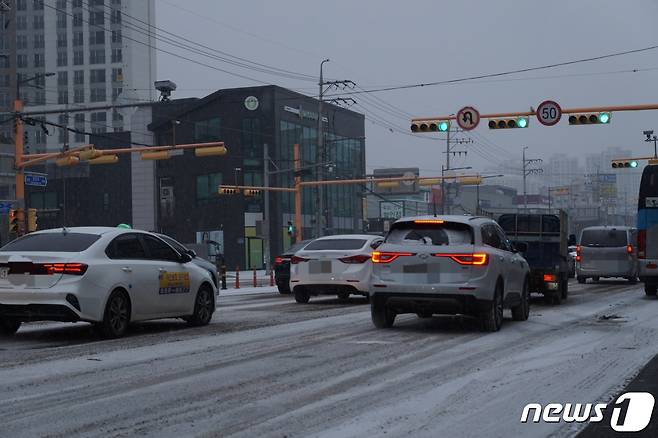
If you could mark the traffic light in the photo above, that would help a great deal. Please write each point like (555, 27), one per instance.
(516, 122)
(291, 229)
(469, 180)
(31, 220)
(13, 221)
(89, 154)
(624, 164)
(602, 118)
(67, 161)
(228, 191)
(210, 151)
(430, 126)
(252, 192)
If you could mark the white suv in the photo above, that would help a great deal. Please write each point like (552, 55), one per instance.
(448, 265)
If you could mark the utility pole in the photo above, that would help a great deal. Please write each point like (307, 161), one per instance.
(445, 207)
(266, 210)
(319, 214)
(527, 170)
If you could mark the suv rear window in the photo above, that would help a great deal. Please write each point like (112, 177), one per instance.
(335, 244)
(447, 233)
(52, 242)
(604, 238)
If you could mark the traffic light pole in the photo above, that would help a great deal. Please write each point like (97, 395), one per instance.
(18, 152)
(266, 209)
(298, 193)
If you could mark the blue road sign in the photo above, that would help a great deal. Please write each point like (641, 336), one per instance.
(36, 180)
(5, 206)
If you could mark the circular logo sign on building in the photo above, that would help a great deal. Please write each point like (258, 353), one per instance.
(549, 113)
(251, 103)
(468, 118)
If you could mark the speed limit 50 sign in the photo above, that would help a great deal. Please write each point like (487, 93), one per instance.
(549, 113)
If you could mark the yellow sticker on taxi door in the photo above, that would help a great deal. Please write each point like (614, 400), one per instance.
(174, 283)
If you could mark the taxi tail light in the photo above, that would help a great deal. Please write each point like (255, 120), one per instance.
(356, 259)
(278, 260)
(388, 257)
(475, 259)
(550, 278)
(295, 259)
(641, 244)
(629, 249)
(578, 256)
(65, 268)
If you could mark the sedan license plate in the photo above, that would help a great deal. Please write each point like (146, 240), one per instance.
(320, 267)
(4, 273)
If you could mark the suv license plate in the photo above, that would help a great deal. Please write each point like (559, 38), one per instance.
(4, 273)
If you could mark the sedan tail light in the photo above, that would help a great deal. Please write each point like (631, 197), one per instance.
(295, 259)
(278, 260)
(475, 259)
(629, 249)
(388, 257)
(65, 268)
(550, 278)
(356, 259)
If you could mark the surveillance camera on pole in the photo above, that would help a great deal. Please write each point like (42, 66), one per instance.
(165, 88)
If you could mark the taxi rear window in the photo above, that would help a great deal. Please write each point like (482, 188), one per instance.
(52, 242)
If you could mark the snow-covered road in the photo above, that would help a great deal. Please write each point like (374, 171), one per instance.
(267, 366)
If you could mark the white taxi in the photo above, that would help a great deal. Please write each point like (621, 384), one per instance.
(107, 276)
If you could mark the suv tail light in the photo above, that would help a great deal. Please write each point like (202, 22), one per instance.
(629, 249)
(278, 260)
(641, 244)
(295, 259)
(578, 257)
(387, 257)
(356, 259)
(550, 278)
(476, 259)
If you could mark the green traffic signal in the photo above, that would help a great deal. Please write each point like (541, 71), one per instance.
(443, 126)
(633, 164)
(522, 122)
(605, 118)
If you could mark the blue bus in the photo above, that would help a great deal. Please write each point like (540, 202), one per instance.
(647, 226)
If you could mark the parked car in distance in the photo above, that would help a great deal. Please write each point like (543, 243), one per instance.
(448, 265)
(607, 251)
(333, 265)
(572, 261)
(205, 264)
(282, 266)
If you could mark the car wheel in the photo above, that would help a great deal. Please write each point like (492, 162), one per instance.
(343, 296)
(301, 296)
(116, 317)
(283, 290)
(650, 289)
(522, 311)
(582, 280)
(204, 306)
(564, 289)
(492, 319)
(632, 280)
(9, 326)
(382, 316)
(596, 279)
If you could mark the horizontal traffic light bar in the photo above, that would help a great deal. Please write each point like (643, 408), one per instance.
(601, 118)
(621, 164)
(598, 109)
(510, 123)
(253, 189)
(430, 126)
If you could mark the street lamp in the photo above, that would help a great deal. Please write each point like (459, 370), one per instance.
(444, 196)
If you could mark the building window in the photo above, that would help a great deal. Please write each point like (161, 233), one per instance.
(97, 56)
(4, 80)
(116, 116)
(37, 5)
(63, 97)
(97, 76)
(39, 60)
(79, 127)
(117, 55)
(77, 19)
(207, 186)
(79, 95)
(116, 92)
(38, 22)
(77, 3)
(97, 2)
(98, 95)
(61, 40)
(116, 16)
(62, 59)
(116, 2)
(97, 37)
(78, 57)
(116, 36)
(39, 41)
(96, 18)
(43, 200)
(207, 130)
(63, 78)
(21, 42)
(117, 75)
(21, 5)
(63, 132)
(61, 4)
(21, 22)
(78, 38)
(61, 21)
(79, 77)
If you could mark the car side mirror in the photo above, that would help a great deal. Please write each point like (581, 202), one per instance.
(521, 247)
(572, 240)
(191, 253)
(184, 258)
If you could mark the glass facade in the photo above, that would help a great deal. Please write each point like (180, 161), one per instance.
(207, 187)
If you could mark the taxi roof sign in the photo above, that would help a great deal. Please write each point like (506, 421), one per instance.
(124, 226)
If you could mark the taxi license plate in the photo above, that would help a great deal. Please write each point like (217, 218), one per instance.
(4, 273)
(320, 267)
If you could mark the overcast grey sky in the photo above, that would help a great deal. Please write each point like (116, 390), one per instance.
(383, 42)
